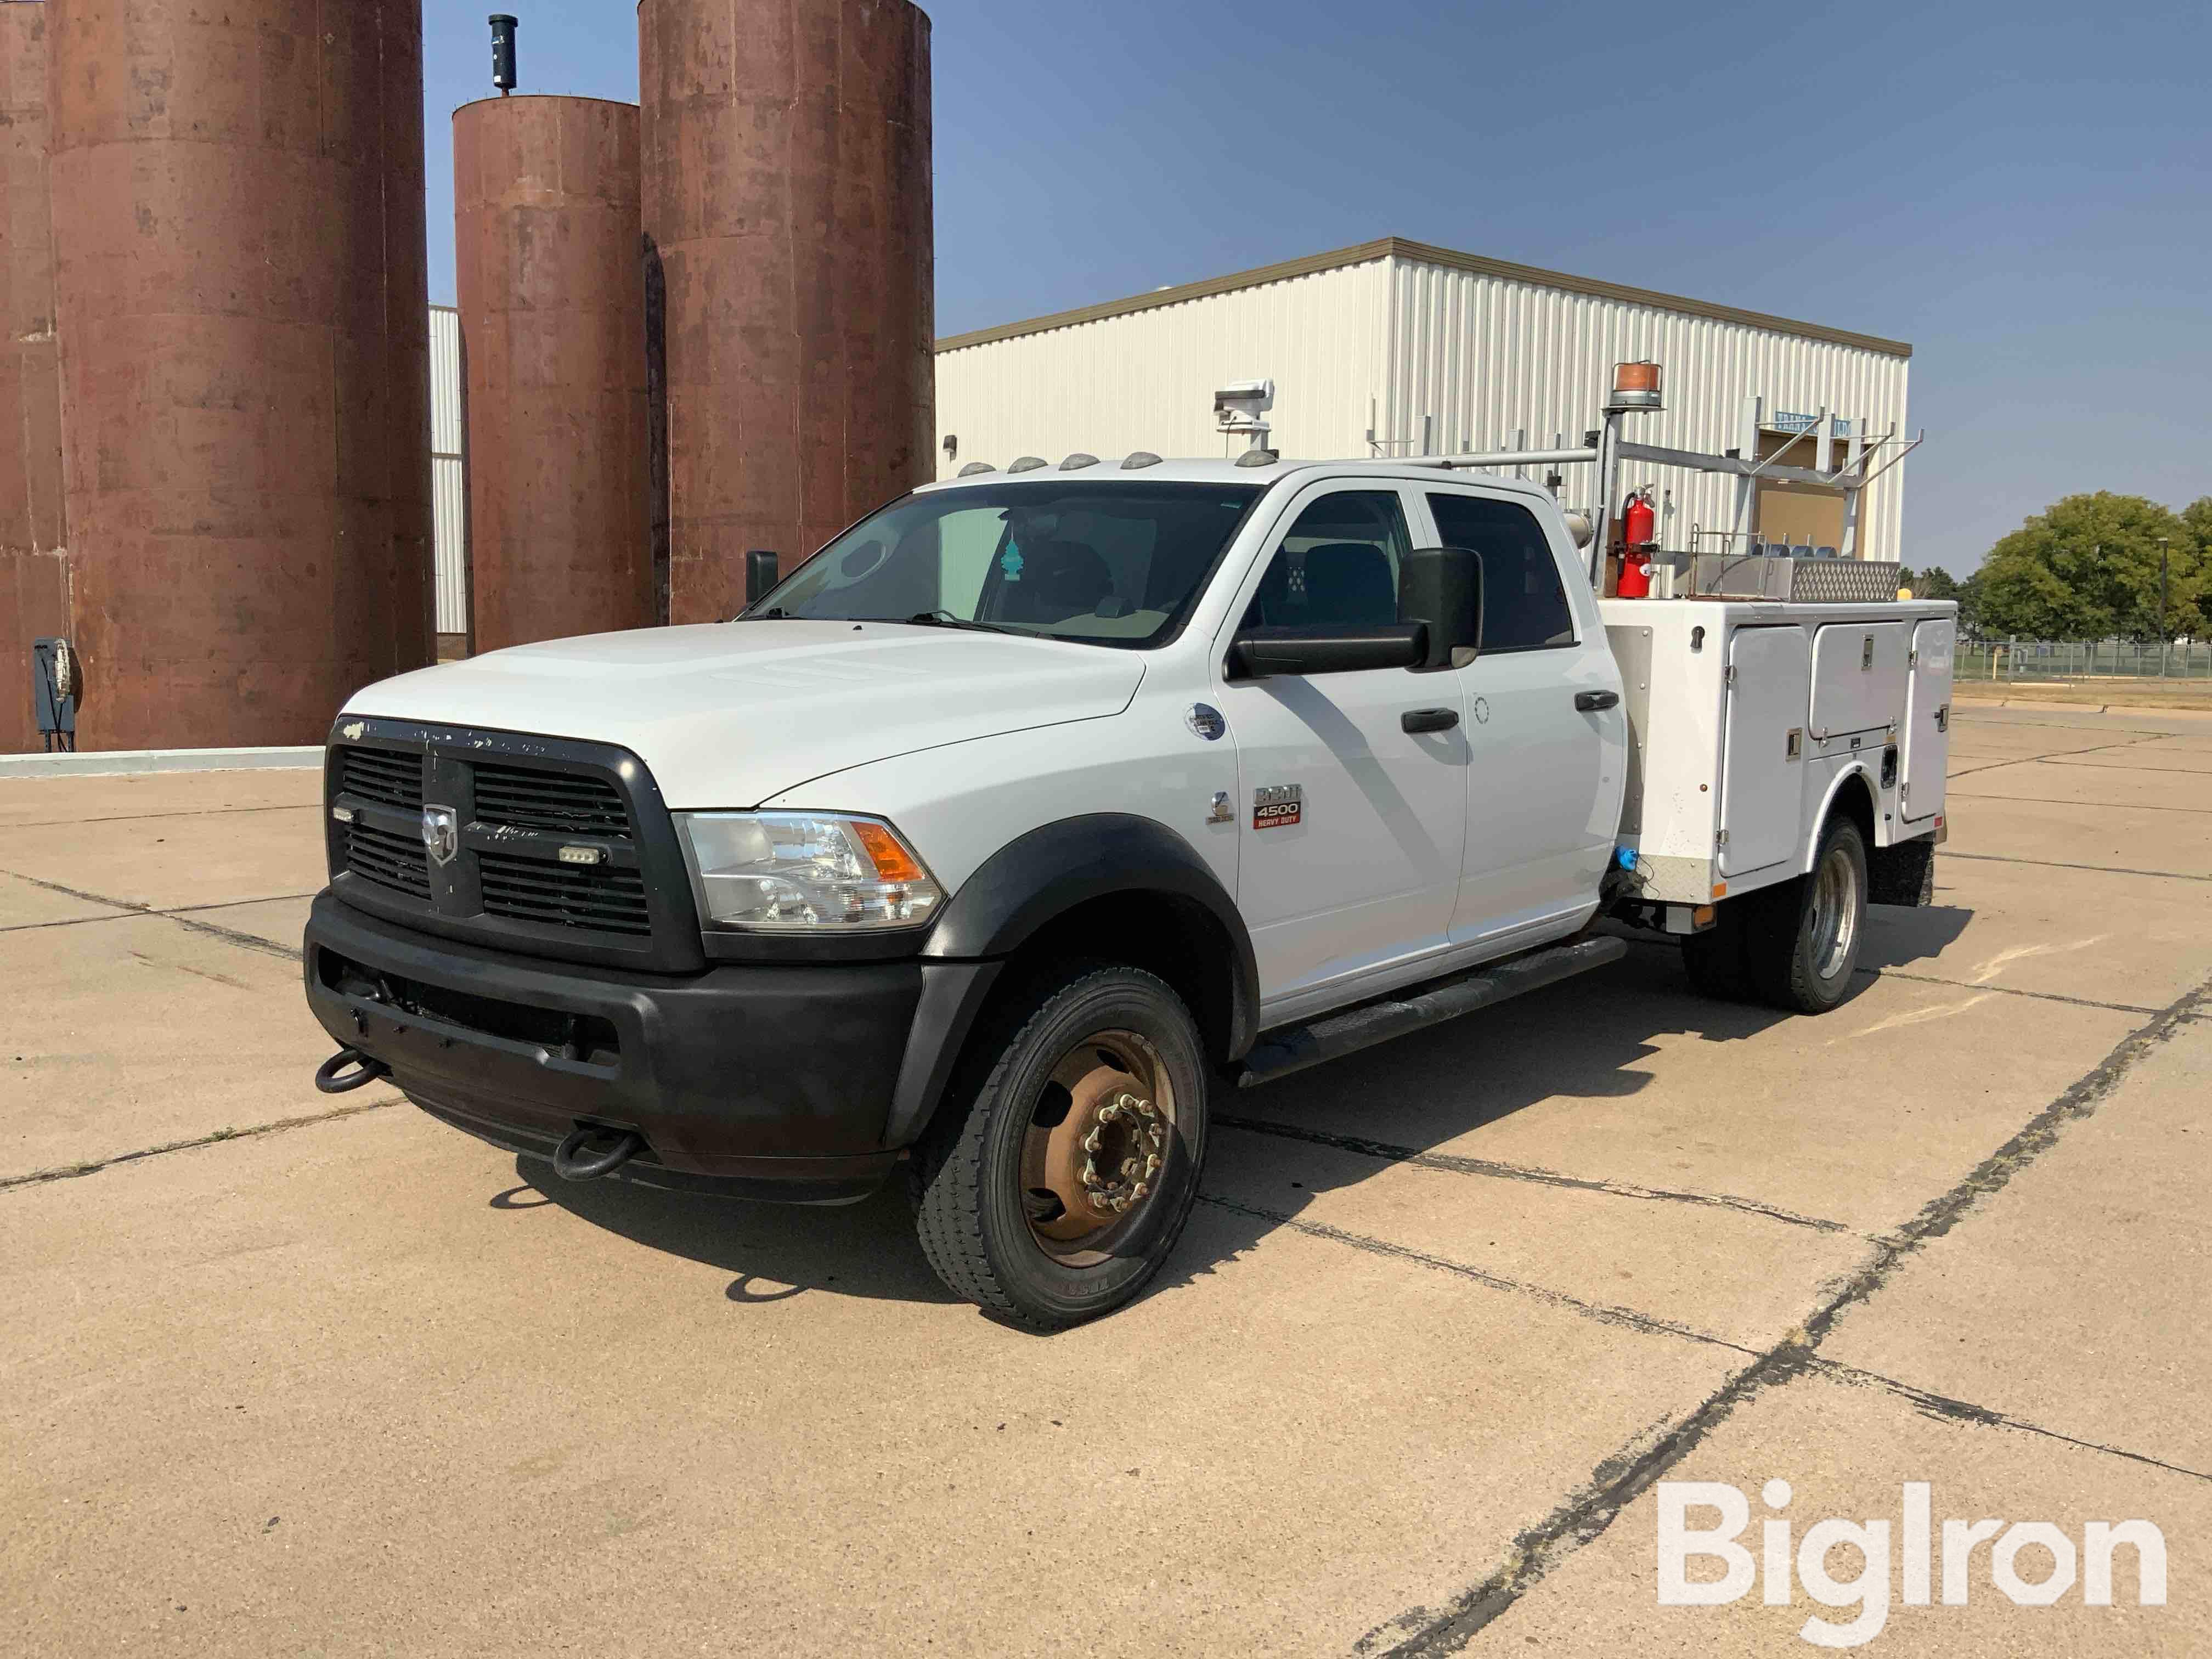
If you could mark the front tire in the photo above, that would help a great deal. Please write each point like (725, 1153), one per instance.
(1062, 1175)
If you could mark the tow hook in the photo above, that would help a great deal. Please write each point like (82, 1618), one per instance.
(332, 1077)
(572, 1162)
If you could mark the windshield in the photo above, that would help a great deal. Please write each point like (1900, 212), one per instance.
(1115, 564)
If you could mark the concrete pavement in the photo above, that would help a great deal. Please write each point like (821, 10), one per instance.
(1449, 1313)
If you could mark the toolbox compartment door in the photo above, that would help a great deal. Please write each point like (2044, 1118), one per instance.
(1858, 675)
(1762, 750)
(1927, 721)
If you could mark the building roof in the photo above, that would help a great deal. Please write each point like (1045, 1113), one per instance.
(1425, 254)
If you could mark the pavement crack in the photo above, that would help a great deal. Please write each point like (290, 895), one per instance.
(182, 916)
(2171, 771)
(171, 914)
(142, 817)
(1585, 1514)
(2108, 806)
(1603, 1313)
(1942, 1406)
(1456, 1164)
(70, 1171)
(2010, 991)
(2029, 760)
(2057, 864)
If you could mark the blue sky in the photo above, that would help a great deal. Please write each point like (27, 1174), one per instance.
(2020, 189)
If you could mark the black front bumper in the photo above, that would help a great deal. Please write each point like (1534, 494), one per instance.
(798, 1082)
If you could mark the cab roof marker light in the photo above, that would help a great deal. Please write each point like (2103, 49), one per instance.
(1029, 463)
(1258, 458)
(1077, 461)
(975, 467)
(1136, 460)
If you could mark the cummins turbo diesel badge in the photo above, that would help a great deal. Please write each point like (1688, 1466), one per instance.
(1278, 807)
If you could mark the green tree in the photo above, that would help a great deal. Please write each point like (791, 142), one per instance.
(1937, 583)
(2194, 575)
(2086, 568)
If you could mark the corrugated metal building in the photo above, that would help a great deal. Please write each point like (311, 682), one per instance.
(1397, 348)
(449, 483)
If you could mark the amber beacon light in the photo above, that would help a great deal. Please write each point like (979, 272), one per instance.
(1635, 386)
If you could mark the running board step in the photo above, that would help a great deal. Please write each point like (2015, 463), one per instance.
(1293, 1047)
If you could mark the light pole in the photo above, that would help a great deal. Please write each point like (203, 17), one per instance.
(2162, 635)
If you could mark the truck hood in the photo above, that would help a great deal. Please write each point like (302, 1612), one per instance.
(727, 714)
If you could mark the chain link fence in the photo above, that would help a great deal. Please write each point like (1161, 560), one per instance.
(2012, 660)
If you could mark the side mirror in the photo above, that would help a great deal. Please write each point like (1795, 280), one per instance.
(1259, 653)
(1442, 587)
(760, 575)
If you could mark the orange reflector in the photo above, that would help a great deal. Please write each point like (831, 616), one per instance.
(892, 861)
(1720, 890)
(1703, 915)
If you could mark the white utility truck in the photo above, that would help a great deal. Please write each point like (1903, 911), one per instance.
(1043, 804)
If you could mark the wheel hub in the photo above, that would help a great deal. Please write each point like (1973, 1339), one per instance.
(1097, 1165)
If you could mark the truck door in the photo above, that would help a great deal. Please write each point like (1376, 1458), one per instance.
(1770, 691)
(1352, 825)
(1927, 721)
(1546, 729)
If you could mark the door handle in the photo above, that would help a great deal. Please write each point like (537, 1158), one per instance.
(1589, 702)
(1429, 719)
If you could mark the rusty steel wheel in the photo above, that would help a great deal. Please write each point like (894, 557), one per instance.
(1065, 1163)
(1097, 1145)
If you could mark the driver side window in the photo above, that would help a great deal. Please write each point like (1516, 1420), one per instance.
(1337, 565)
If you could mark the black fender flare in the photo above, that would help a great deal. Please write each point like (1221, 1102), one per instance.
(1032, 880)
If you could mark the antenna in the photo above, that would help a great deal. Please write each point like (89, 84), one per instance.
(502, 52)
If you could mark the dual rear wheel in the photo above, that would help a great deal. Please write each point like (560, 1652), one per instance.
(1795, 944)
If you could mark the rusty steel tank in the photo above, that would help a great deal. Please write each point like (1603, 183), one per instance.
(33, 582)
(552, 293)
(787, 206)
(239, 277)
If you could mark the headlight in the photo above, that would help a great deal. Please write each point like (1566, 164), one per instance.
(802, 870)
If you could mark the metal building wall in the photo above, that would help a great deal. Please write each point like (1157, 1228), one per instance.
(449, 478)
(1147, 380)
(1482, 355)
(1485, 357)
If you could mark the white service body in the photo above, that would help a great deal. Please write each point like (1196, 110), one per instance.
(1747, 718)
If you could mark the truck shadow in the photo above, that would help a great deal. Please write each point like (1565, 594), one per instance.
(1586, 1040)
(1897, 938)
(775, 1251)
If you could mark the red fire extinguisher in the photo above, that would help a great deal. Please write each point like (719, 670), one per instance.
(1638, 531)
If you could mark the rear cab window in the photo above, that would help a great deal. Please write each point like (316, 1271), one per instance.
(1524, 604)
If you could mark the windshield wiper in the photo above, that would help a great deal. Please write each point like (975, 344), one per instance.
(944, 619)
